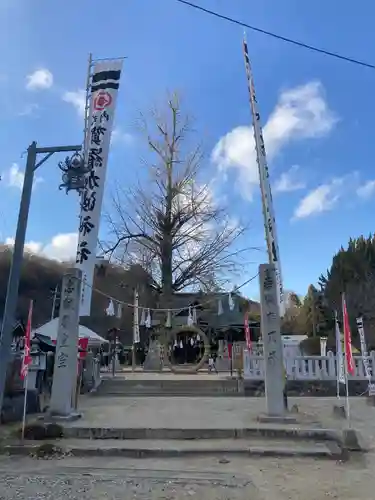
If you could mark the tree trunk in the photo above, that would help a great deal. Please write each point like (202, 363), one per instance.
(166, 274)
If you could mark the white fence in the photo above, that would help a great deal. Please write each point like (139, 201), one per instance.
(306, 367)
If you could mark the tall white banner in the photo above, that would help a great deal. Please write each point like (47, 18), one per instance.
(339, 354)
(136, 334)
(366, 363)
(104, 89)
(265, 186)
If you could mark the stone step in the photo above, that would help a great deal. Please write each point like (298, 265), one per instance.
(223, 448)
(160, 394)
(264, 431)
(178, 383)
(169, 387)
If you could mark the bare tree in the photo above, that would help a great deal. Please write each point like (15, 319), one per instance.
(170, 224)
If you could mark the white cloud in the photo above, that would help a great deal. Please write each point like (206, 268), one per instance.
(62, 247)
(325, 197)
(289, 181)
(366, 190)
(31, 246)
(29, 110)
(14, 177)
(317, 201)
(78, 99)
(301, 113)
(39, 80)
(120, 137)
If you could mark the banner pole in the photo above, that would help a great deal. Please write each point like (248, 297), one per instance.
(264, 182)
(347, 403)
(338, 379)
(338, 357)
(24, 405)
(347, 396)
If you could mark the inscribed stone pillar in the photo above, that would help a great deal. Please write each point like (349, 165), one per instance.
(65, 370)
(272, 343)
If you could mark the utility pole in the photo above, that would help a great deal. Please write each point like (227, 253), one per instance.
(18, 249)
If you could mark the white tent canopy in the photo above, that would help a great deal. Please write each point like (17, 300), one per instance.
(50, 330)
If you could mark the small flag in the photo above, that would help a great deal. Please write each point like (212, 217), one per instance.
(26, 360)
(83, 344)
(347, 339)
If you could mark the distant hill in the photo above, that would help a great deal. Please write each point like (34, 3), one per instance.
(40, 276)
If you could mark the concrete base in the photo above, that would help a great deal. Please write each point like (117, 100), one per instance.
(370, 400)
(50, 417)
(275, 419)
(352, 440)
(339, 411)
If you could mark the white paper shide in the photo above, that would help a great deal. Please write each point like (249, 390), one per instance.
(104, 89)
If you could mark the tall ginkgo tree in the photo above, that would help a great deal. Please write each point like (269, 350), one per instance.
(170, 221)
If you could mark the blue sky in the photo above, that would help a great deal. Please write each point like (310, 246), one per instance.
(317, 112)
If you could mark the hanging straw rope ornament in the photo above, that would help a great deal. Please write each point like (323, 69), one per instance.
(113, 300)
(119, 310)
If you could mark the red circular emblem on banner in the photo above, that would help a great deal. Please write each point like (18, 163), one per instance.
(102, 100)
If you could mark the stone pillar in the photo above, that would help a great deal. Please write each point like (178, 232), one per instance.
(272, 343)
(65, 369)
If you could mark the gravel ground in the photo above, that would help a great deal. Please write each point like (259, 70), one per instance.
(54, 479)
(203, 479)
